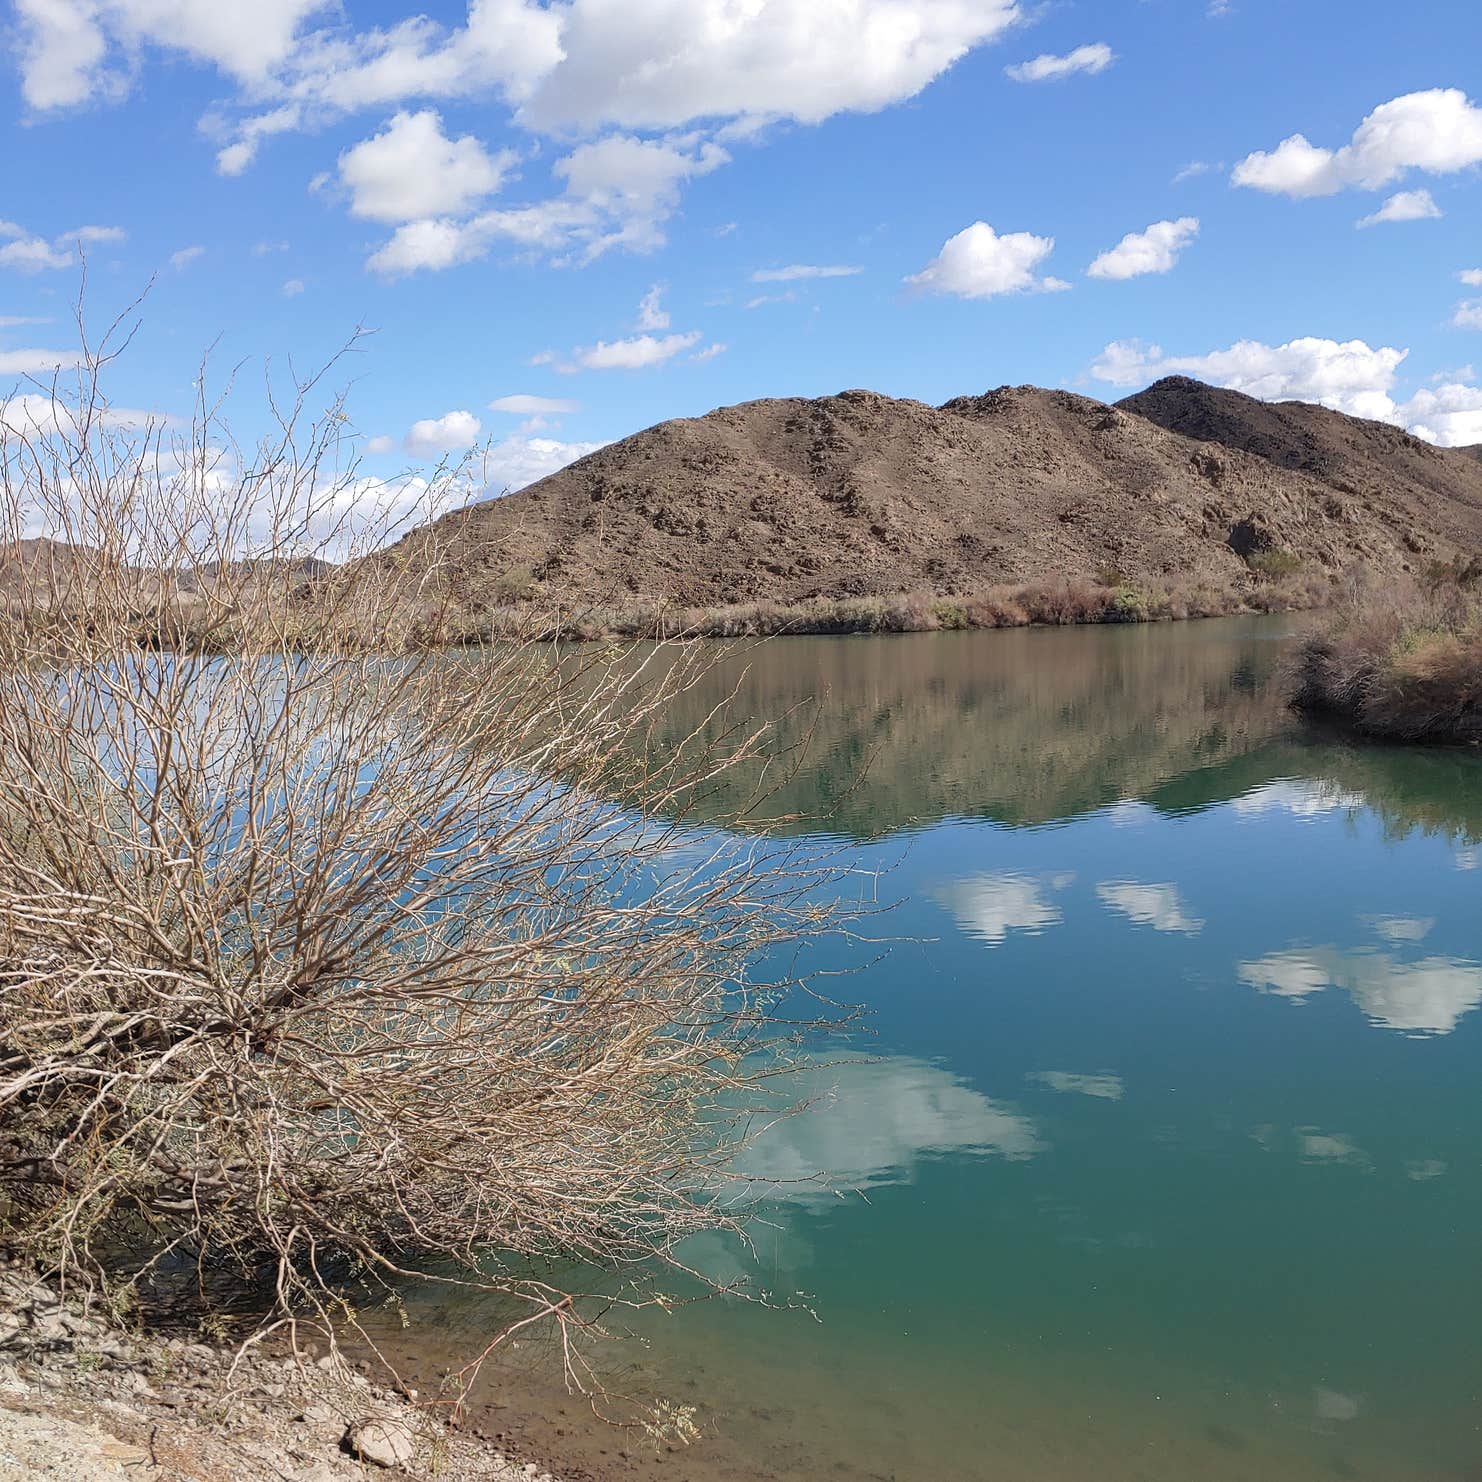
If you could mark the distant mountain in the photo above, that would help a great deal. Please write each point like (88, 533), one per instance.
(859, 494)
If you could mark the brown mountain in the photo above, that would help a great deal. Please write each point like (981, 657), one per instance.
(1360, 459)
(860, 494)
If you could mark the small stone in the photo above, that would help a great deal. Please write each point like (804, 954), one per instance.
(384, 1443)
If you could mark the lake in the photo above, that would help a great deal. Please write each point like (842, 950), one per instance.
(1163, 1156)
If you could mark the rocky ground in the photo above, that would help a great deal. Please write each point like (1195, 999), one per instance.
(81, 1401)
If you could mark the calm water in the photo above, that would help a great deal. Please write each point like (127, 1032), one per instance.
(1169, 1165)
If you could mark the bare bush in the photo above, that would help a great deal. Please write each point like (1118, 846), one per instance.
(328, 958)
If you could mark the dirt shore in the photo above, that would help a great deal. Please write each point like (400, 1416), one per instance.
(82, 1401)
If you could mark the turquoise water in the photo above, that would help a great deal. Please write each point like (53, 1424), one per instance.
(1167, 1161)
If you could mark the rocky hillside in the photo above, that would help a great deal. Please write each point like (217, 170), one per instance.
(858, 494)
(1371, 462)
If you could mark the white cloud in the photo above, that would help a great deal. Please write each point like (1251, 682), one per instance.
(637, 353)
(1192, 171)
(978, 263)
(619, 193)
(185, 257)
(28, 253)
(665, 63)
(1468, 314)
(1407, 205)
(75, 51)
(1350, 377)
(453, 432)
(518, 461)
(232, 159)
(1158, 906)
(1047, 68)
(292, 288)
(652, 315)
(33, 255)
(798, 272)
(1104, 1087)
(411, 170)
(1450, 415)
(710, 352)
(1155, 250)
(89, 235)
(1438, 132)
(989, 907)
(380, 445)
(1472, 277)
(37, 362)
(534, 406)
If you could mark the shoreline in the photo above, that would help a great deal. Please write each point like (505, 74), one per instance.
(82, 1400)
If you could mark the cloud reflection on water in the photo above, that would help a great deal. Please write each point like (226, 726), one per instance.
(990, 906)
(1158, 906)
(872, 1124)
(1429, 997)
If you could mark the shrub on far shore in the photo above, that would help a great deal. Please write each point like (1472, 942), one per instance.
(1047, 602)
(1402, 664)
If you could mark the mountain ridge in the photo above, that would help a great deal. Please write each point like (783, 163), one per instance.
(858, 494)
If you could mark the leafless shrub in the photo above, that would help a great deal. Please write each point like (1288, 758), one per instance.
(328, 958)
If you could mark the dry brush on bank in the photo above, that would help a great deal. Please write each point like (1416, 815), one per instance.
(322, 970)
(1401, 663)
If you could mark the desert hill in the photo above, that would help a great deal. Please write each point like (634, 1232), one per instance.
(1350, 454)
(860, 494)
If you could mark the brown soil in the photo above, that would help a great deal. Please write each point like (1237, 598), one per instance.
(858, 495)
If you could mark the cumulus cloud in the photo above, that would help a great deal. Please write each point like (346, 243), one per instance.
(978, 263)
(412, 170)
(1155, 250)
(1350, 376)
(75, 51)
(1472, 277)
(1450, 415)
(1047, 68)
(1437, 132)
(1468, 314)
(1406, 205)
(638, 352)
(619, 192)
(664, 63)
(515, 462)
(799, 272)
(27, 252)
(184, 257)
(453, 432)
(1158, 906)
(533, 406)
(991, 906)
(292, 288)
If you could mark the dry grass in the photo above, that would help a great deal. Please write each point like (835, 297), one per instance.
(1400, 663)
(1052, 603)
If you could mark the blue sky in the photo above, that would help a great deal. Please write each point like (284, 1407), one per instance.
(623, 209)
